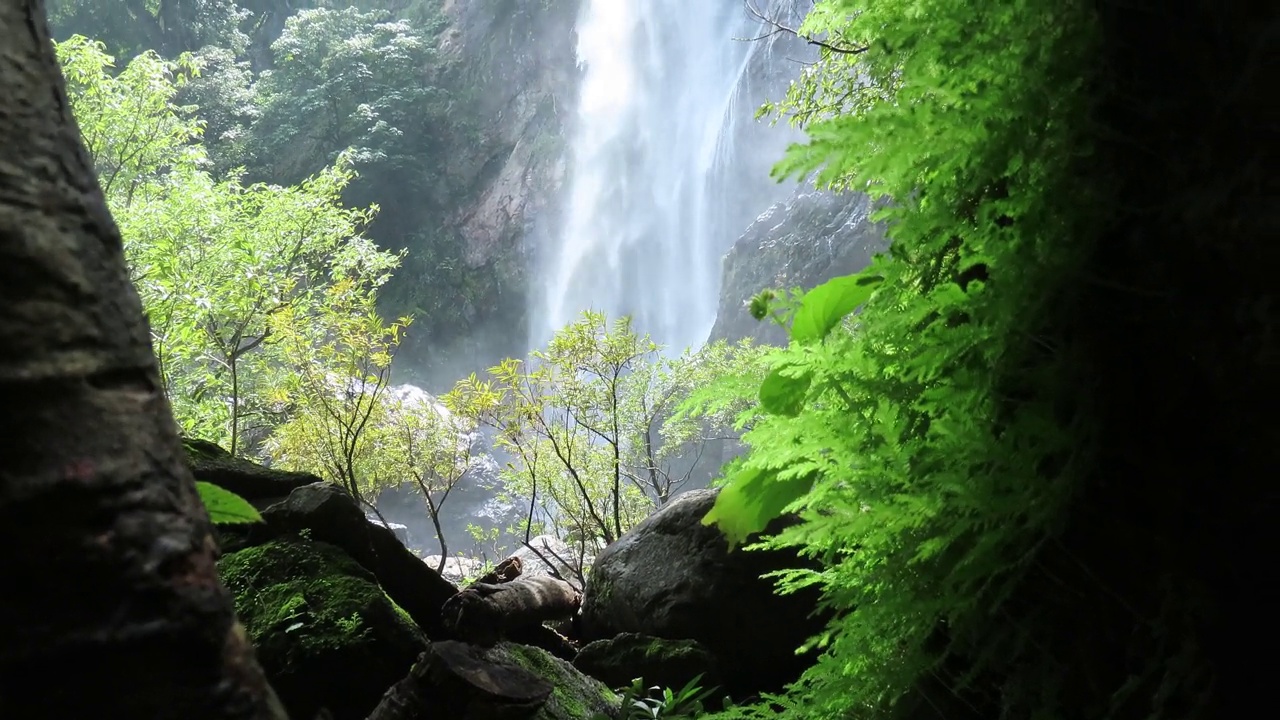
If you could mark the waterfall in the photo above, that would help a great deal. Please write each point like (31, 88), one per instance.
(654, 171)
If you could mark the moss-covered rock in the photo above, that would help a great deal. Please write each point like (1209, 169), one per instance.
(665, 663)
(326, 512)
(574, 697)
(326, 634)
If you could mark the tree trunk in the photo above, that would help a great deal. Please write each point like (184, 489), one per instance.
(484, 613)
(111, 604)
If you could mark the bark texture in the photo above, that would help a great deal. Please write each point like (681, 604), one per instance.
(111, 606)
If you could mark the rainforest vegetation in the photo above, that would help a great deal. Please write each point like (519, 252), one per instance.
(1025, 450)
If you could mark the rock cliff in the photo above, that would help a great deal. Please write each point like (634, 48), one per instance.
(804, 241)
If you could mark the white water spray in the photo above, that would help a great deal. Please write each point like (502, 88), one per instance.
(652, 167)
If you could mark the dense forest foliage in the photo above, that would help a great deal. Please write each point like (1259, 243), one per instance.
(976, 434)
(280, 90)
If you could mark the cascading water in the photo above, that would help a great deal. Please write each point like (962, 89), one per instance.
(653, 179)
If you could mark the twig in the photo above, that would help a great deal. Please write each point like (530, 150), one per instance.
(778, 27)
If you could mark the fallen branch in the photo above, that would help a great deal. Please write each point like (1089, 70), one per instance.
(483, 613)
(504, 572)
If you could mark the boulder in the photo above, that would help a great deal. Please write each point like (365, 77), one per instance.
(457, 569)
(325, 633)
(664, 663)
(260, 485)
(673, 577)
(574, 696)
(506, 682)
(326, 512)
(457, 680)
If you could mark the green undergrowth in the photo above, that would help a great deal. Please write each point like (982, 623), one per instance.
(932, 442)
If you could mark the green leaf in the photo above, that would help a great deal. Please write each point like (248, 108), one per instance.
(784, 394)
(226, 507)
(751, 499)
(823, 307)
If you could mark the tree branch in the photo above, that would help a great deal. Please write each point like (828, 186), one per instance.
(778, 27)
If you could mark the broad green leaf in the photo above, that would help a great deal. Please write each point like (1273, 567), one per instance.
(823, 307)
(751, 499)
(784, 394)
(226, 507)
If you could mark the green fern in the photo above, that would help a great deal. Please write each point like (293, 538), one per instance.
(914, 445)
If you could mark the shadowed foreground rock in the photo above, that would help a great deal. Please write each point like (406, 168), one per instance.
(665, 663)
(507, 682)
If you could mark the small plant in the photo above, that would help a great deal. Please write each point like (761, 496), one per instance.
(639, 703)
(472, 573)
(350, 624)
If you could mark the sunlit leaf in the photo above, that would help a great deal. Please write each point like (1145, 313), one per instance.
(823, 307)
(751, 499)
(784, 394)
(226, 507)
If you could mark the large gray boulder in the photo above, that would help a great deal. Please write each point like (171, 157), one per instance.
(673, 577)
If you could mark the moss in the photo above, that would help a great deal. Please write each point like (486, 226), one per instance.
(657, 661)
(599, 588)
(608, 696)
(324, 631)
(574, 695)
(298, 597)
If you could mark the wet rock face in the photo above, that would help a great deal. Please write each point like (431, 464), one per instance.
(673, 577)
(517, 59)
(802, 242)
(510, 68)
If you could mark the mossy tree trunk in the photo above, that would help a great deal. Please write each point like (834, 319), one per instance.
(111, 604)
